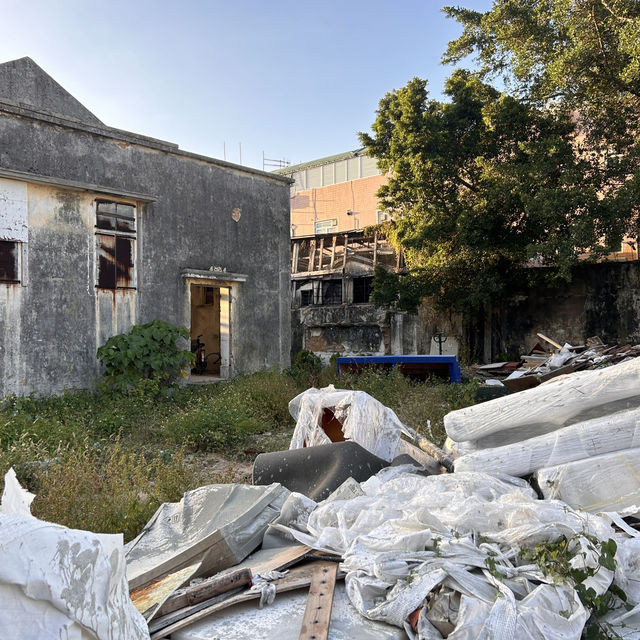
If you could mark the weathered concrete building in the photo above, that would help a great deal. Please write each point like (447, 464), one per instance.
(101, 229)
(333, 255)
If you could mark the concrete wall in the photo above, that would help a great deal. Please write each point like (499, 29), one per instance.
(53, 322)
(603, 300)
(354, 329)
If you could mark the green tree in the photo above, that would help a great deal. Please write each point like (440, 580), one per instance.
(581, 56)
(481, 185)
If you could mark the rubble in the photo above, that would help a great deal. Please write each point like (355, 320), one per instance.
(521, 529)
(539, 366)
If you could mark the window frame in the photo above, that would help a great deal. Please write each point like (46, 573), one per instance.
(17, 257)
(124, 233)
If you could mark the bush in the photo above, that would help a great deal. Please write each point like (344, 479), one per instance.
(148, 352)
(306, 367)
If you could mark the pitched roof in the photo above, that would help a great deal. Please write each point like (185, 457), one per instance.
(24, 83)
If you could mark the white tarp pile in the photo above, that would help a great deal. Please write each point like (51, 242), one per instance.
(60, 583)
(579, 434)
(364, 420)
(448, 546)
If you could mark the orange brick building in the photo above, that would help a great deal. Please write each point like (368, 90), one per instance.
(334, 194)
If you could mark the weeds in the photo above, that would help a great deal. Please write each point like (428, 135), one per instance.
(105, 461)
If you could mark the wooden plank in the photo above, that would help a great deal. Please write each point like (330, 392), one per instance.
(320, 254)
(282, 560)
(148, 600)
(375, 248)
(297, 578)
(317, 615)
(206, 590)
(346, 249)
(296, 254)
(333, 252)
(549, 340)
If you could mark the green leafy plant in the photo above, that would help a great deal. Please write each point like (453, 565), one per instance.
(554, 558)
(148, 352)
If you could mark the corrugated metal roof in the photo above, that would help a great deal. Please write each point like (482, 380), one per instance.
(287, 171)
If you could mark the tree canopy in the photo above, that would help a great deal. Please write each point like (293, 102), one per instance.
(535, 170)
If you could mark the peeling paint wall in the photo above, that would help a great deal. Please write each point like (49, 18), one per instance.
(55, 318)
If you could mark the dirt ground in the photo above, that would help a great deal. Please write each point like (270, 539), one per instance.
(215, 468)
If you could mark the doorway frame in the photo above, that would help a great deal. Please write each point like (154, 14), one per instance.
(219, 280)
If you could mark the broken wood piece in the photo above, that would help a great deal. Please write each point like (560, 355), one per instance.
(297, 578)
(435, 452)
(148, 600)
(549, 340)
(207, 589)
(317, 615)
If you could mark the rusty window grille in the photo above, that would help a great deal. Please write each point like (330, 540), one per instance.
(116, 244)
(9, 265)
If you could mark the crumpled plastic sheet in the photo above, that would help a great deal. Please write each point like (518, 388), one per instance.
(615, 432)
(533, 412)
(364, 420)
(57, 582)
(218, 525)
(409, 538)
(609, 482)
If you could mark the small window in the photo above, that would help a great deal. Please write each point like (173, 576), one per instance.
(116, 238)
(326, 226)
(306, 297)
(9, 261)
(362, 289)
(332, 292)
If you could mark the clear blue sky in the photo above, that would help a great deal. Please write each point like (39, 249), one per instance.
(296, 80)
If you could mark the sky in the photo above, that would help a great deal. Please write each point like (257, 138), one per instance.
(236, 80)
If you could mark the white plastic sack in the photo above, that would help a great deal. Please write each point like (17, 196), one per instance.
(364, 420)
(615, 432)
(609, 482)
(547, 407)
(61, 583)
(408, 536)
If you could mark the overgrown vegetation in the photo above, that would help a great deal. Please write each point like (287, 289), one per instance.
(533, 158)
(105, 460)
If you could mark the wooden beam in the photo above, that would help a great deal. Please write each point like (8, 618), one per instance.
(320, 254)
(312, 254)
(375, 248)
(333, 252)
(346, 248)
(549, 340)
(294, 259)
(297, 578)
(317, 615)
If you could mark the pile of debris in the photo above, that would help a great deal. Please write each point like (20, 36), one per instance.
(358, 532)
(539, 366)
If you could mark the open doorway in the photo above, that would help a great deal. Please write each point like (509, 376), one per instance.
(207, 327)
